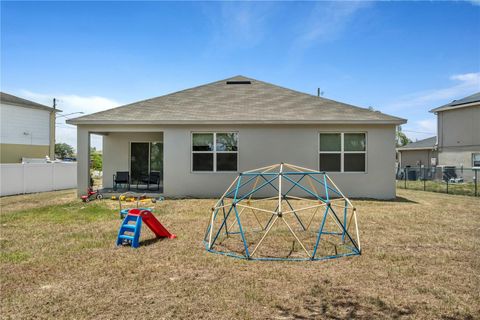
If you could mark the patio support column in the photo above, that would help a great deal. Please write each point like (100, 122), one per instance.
(83, 159)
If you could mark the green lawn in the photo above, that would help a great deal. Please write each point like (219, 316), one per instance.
(420, 261)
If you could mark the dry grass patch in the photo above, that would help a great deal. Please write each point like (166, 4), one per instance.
(36, 200)
(420, 260)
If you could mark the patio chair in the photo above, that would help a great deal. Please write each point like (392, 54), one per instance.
(121, 177)
(153, 178)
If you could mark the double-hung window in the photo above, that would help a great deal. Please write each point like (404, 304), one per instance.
(214, 151)
(343, 152)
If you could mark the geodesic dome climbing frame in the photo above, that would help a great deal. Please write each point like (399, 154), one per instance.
(283, 212)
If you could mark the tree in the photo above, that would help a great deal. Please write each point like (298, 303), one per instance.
(96, 159)
(63, 150)
(401, 138)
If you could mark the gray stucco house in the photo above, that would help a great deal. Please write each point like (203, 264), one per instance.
(421, 153)
(458, 127)
(200, 138)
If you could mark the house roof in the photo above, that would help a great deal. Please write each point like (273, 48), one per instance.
(237, 100)
(461, 103)
(425, 144)
(14, 100)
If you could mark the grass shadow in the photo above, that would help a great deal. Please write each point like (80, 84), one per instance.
(327, 302)
(397, 199)
(150, 241)
(402, 199)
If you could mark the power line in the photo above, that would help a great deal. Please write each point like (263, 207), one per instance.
(418, 131)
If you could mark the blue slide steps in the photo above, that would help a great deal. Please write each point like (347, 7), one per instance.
(129, 232)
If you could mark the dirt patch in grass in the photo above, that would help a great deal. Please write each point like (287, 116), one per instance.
(420, 261)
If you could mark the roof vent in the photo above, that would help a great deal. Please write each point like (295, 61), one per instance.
(239, 82)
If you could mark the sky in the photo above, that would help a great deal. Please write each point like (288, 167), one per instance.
(401, 58)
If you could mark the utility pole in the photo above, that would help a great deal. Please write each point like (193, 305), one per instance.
(53, 119)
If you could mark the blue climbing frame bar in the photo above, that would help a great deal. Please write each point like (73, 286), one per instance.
(320, 230)
(305, 189)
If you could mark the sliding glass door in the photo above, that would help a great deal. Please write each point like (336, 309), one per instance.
(139, 154)
(145, 157)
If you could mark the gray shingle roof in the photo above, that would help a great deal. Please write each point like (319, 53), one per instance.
(428, 143)
(219, 102)
(459, 103)
(11, 99)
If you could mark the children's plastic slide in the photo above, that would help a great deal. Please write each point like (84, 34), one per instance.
(155, 225)
(130, 232)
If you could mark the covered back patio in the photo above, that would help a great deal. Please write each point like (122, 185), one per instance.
(132, 160)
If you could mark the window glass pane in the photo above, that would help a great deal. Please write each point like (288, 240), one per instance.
(202, 162)
(354, 142)
(156, 157)
(330, 142)
(354, 162)
(227, 142)
(202, 142)
(330, 162)
(226, 161)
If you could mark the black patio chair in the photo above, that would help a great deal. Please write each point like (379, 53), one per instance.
(154, 178)
(121, 177)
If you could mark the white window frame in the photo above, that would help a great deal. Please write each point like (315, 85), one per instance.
(342, 152)
(214, 151)
(473, 160)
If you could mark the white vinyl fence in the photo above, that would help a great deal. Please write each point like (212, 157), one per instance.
(18, 178)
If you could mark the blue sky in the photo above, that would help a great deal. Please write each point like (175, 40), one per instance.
(402, 58)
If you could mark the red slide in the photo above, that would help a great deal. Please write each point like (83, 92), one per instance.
(155, 225)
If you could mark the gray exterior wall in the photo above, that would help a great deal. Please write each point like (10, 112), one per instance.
(415, 158)
(259, 145)
(458, 136)
(459, 157)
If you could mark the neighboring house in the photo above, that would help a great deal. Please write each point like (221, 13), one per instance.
(27, 129)
(458, 125)
(420, 153)
(200, 138)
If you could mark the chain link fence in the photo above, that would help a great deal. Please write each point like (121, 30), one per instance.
(446, 179)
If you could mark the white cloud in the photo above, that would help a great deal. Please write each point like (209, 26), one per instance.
(70, 103)
(466, 84)
(239, 25)
(327, 21)
(429, 125)
(421, 129)
(467, 77)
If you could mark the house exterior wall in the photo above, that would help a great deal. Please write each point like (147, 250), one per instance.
(13, 153)
(459, 136)
(26, 132)
(458, 157)
(258, 146)
(415, 158)
(116, 151)
(459, 127)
